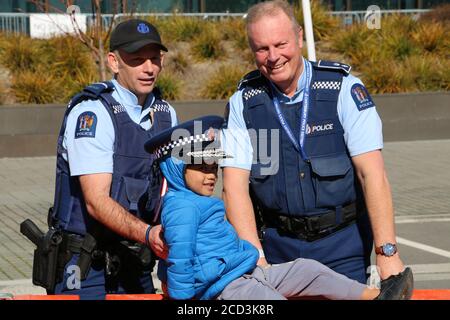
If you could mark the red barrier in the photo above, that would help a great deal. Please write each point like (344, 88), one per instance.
(418, 294)
(46, 297)
(431, 294)
(134, 297)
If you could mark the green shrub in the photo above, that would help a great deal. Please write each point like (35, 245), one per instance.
(397, 46)
(223, 83)
(20, 53)
(169, 85)
(356, 42)
(426, 72)
(74, 83)
(36, 87)
(208, 45)
(177, 62)
(324, 24)
(233, 29)
(386, 77)
(431, 37)
(177, 28)
(404, 55)
(71, 57)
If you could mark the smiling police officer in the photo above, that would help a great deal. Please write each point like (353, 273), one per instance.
(321, 164)
(107, 189)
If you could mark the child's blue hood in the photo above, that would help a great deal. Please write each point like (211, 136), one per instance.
(173, 170)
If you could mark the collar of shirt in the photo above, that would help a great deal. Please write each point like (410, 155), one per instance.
(129, 100)
(298, 95)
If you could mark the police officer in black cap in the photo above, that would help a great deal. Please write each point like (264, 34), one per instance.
(107, 188)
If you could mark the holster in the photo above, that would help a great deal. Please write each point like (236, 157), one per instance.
(140, 252)
(45, 261)
(87, 253)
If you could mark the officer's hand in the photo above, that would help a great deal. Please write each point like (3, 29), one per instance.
(157, 243)
(389, 265)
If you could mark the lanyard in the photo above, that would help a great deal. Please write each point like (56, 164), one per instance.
(303, 117)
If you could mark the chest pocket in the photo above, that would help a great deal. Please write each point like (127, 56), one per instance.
(333, 180)
(265, 185)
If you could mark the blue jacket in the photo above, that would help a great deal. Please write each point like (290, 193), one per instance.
(205, 252)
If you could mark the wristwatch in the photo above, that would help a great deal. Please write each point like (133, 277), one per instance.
(387, 249)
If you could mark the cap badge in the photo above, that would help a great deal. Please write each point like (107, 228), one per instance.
(143, 28)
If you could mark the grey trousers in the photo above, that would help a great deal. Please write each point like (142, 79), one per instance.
(299, 278)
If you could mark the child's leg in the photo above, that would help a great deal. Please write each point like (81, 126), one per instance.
(305, 277)
(251, 287)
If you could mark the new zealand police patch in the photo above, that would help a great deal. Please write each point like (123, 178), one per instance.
(86, 125)
(361, 97)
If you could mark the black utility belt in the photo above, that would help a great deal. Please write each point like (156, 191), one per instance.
(111, 256)
(312, 228)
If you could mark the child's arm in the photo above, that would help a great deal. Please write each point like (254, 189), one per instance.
(180, 233)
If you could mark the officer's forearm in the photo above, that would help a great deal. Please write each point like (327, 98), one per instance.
(241, 216)
(377, 193)
(104, 209)
(111, 214)
(239, 208)
(378, 198)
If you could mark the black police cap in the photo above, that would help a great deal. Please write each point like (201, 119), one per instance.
(132, 35)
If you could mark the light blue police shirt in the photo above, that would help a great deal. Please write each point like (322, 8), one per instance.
(362, 129)
(88, 155)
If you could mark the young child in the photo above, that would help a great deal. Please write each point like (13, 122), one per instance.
(206, 259)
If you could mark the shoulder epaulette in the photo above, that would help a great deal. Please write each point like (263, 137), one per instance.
(332, 65)
(91, 92)
(96, 89)
(249, 77)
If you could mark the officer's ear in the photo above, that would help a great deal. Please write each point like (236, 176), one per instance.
(163, 54)
(300, 37)
(113, 62)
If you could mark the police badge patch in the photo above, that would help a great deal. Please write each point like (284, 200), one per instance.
(86, 125)
(361, 97)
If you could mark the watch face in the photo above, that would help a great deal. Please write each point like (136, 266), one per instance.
(389, 249)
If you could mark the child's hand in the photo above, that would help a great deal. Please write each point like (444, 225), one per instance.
(262, 262)
(164, 289)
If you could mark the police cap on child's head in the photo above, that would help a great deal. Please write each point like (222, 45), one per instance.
(193, 141)
(132, 35)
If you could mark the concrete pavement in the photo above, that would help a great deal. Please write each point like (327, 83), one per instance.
(419, 172)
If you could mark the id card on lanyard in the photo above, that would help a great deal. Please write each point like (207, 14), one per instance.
(303, 116)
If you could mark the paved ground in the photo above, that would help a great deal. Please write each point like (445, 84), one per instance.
(419, 173)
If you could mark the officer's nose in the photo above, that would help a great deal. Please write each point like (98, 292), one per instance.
(273, 54)
(148, 66)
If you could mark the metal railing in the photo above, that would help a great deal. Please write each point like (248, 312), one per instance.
(349, 17)
(18, 23)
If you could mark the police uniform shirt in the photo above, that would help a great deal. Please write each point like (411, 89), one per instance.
(362, 125)
(94, 153)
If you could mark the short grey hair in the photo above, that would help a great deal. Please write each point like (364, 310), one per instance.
(271, 8)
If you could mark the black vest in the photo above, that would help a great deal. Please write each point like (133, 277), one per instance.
(136, 181)
(292, 186)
